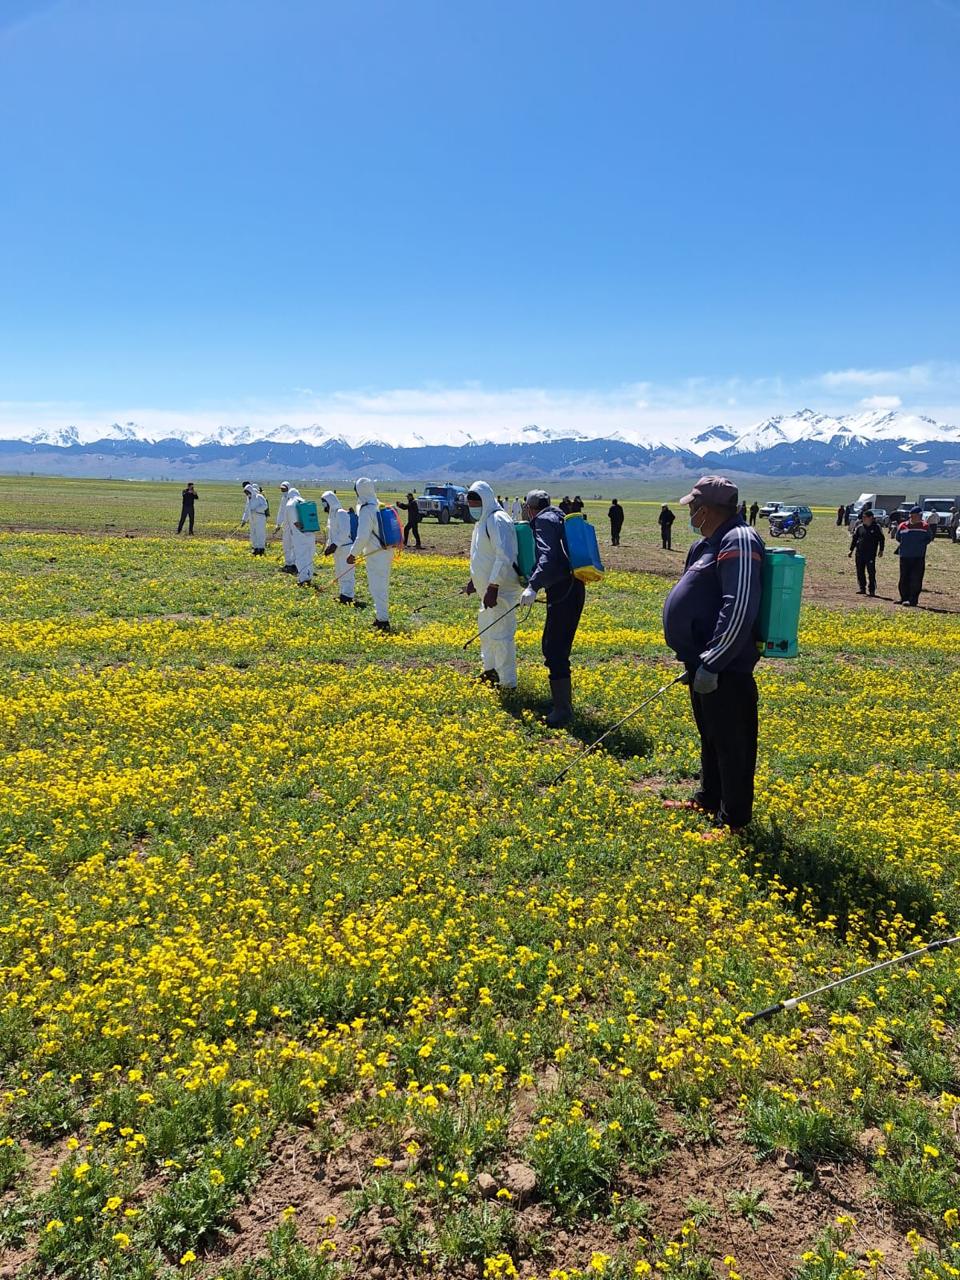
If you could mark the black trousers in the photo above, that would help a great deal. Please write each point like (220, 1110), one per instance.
(564, 607)
(727, 720)
(615, 534)
(866, 572)
(185, 514)
(409, 528)
(666, 537)
(912, 569)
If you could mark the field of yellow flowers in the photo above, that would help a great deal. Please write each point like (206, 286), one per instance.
(308, 971)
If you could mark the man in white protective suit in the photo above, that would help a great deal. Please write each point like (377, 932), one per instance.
(338, 545)
(367, 545)
(494, 578)
(255, 515)
(289, 564)
(303, 541)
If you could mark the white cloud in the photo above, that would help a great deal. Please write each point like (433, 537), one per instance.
(881, 402)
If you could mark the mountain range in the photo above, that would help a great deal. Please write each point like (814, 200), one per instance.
(874, 442)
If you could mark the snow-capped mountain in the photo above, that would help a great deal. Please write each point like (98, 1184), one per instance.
(878, 442)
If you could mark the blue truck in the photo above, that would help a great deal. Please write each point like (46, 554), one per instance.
(443, 502)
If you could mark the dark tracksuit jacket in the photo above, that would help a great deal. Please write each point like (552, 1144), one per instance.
(867, 542)
(709, 619)
(565, 593)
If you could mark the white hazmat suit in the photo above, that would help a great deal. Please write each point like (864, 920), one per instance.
(493, 555)
(255, 515)
(303, 543)
(288, 559)
(378, 559)
(338, 537)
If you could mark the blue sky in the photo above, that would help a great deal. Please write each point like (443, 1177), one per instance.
(233, 207)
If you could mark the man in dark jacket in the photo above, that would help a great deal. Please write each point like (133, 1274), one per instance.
(867, 543)
(665, 520)
(188, 499)
(914, 537)
(565, 597)
(841, 512)
(615, 516)
(754, 511)
(709, 621)
(413, 520)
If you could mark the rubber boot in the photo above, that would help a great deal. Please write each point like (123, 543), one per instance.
(380, 626)
(346, 599)
(562, 710)
(489, 677)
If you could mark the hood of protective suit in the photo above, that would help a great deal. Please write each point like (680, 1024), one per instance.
(365, 490)
(487, 497)
(284, 485)
(294, 494)
(331, 502)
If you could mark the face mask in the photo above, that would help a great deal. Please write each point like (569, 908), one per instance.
(474, 512)
(694, 527)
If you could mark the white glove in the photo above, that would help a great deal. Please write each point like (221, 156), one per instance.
(529, 595)
(704, 681)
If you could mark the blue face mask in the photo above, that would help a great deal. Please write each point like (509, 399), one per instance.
(474, 512)
(695, 528)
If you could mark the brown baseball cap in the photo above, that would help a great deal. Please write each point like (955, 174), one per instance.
(715, 491)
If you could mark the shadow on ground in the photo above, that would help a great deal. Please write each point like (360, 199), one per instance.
(832, 880)
(586, 727)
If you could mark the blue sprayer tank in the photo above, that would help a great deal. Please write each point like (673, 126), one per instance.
(583, 550)
(779, 618)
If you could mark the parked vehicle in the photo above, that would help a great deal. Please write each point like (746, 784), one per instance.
(879, 501)
(789, 522)
(802, 513)
(768, 508)
(943, 507)
(444, 502)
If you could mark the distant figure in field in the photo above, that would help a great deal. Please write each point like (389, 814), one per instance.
(841, 511)
(954, 524)
(866, 543)
(665, 520)
(565, 505)
(286, 531)
(188, 500)
(576, 506)
(516, 510)
(914, 538)
(413, 520)
(754, 512)
(742, 510)
(615, 516)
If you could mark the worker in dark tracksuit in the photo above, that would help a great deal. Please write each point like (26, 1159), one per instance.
(413, 520)
(709, 621)
(913, 537)
(188, 499)
(867, 543)
(665, 520)
(615, 516)
(565, 597)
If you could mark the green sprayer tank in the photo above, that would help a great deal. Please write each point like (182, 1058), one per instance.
(779, 618)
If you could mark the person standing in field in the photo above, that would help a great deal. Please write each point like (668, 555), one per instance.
(286, 532)
(339, 541)
(188, 499)
(367, 545)
(709, 619)
(913, 537)
(255, 515)
(866, 543)
(494, 579)
(565, 598)
(303, 541)
(412, 524)
(840, 515)
(665, 520)
(954, 524)
(754, 512)
(615, 516)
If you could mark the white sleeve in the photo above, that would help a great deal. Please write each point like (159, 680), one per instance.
(246, 512)
(366, 541)
(283, 503)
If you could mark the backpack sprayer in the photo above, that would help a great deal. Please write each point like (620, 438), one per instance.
(783, 1005)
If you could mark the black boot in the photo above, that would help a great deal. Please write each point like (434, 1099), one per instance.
(380, 626)
(562, 710)
(489, 677)
(346, 599)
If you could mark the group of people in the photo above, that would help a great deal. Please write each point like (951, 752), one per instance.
(709, 616)
(912, 536)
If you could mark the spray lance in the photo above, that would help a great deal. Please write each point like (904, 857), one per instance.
(783, 1005)
(681, 678)
(483, 630)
